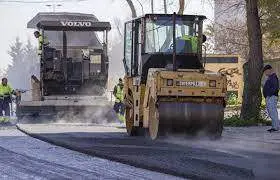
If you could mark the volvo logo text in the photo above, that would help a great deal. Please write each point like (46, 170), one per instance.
(76, 23)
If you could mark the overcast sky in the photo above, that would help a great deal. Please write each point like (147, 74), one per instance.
(14, 16)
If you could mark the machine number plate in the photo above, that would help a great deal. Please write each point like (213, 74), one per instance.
(191, 83)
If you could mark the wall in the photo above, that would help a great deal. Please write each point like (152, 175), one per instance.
(232, 67)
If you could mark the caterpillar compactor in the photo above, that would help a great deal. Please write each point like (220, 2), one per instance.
(167, 89)
(73, 68)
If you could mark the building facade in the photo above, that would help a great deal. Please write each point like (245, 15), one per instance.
(232, 67)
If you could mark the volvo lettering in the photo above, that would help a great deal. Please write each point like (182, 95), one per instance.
(76, 24)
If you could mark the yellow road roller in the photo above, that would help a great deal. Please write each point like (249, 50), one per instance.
(167, 90)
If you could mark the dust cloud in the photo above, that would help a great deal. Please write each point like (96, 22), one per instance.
(74, 109)
(228, 143)
(91, 115)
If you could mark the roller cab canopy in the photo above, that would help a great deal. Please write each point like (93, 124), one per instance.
(63, 21)
(169, 16)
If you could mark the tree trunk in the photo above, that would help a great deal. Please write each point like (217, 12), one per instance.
(165, 6)
(132, 8)
(181, 6)
(152, 6)
(252, 92)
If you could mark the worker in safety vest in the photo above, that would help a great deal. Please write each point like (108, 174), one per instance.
(119, 105)
(5, 99)
(42, 41)
(193, 42)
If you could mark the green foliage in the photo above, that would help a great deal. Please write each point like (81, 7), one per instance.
(263, 100)
(270, 18)
(232, 99)
(235, 121)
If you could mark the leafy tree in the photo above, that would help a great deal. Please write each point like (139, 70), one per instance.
(270, 18)
(31, 58)
(24, 64)
(254, 39)
(14, 72)
(228, 38)
(231, 35)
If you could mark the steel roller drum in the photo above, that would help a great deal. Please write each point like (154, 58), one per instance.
(190, 118)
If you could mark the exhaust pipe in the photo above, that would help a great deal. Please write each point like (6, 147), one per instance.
(174, 42)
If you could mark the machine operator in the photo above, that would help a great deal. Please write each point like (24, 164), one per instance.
(42, 41)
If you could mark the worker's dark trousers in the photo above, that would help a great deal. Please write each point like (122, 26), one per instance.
(119, 108)
(4, 106)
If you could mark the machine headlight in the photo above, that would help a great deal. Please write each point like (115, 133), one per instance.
(169, 82)
(212, 83)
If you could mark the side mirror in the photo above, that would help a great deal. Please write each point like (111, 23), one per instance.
(204, 38)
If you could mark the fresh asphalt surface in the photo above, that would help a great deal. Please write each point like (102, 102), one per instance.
(23, 157)
(242, 153)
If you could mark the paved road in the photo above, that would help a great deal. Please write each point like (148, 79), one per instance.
(23, 157)
(259, 149)
(242, 153)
